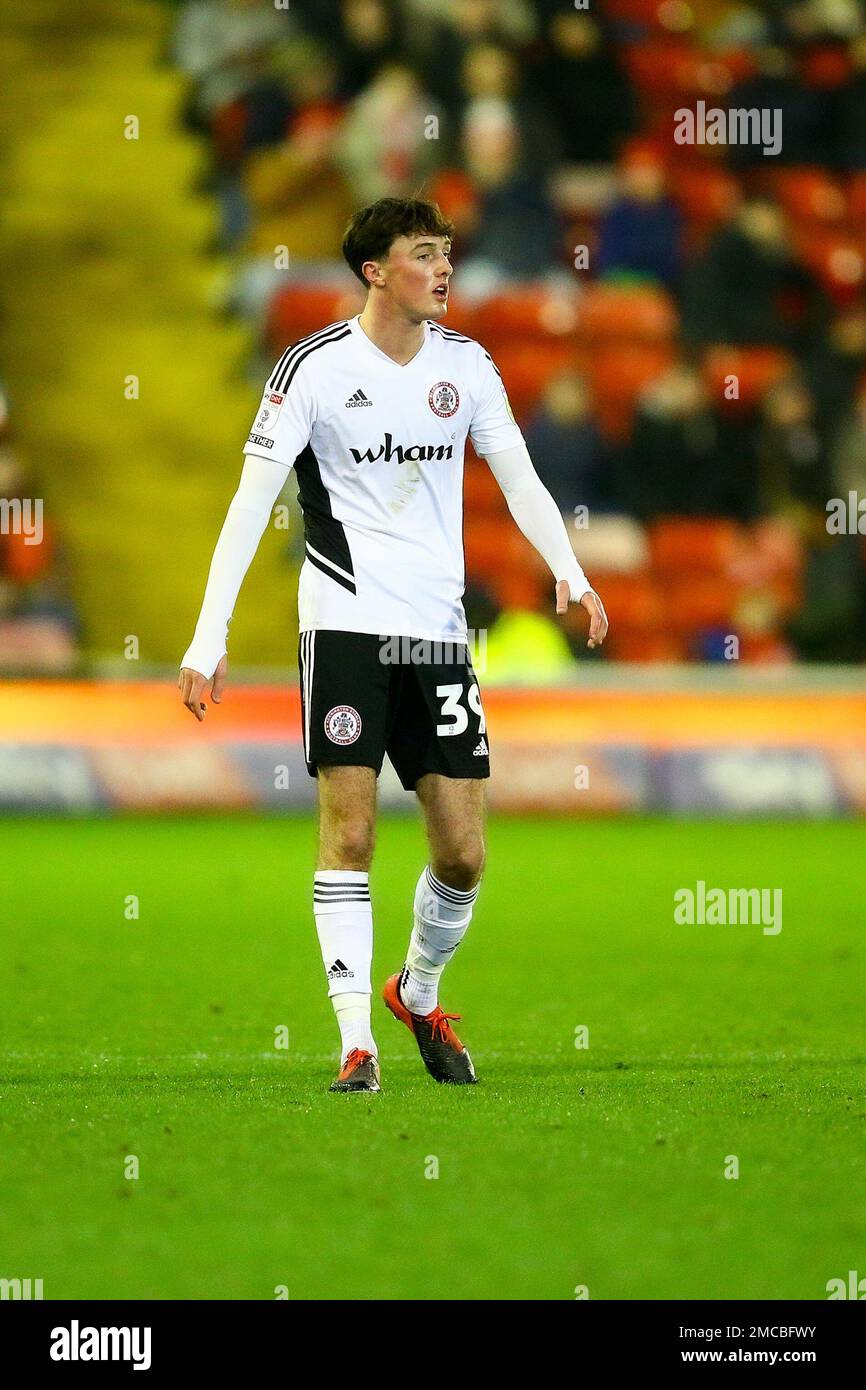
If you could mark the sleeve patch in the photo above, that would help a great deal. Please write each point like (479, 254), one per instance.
(269, 412)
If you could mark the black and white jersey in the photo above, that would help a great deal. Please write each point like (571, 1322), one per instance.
(378, 451)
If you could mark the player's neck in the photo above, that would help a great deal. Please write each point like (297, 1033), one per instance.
(397, 337)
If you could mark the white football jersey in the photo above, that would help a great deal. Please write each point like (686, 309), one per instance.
(378, 451)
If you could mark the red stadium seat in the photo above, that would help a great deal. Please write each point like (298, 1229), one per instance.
(810, 195)
(646, 646)
(528, 313)
(528, 367)
(856, 192)
(634, 602)
(485, 544)
(765, 649)
(772, 554)
(455, 193)
(521, 588)
(498, 555)
(739, 63)
(787, 591)
(706, 195)
(24, 563)
(298, 310)
(627, 312)
(481, 492)
(700, 600)
(825, 67)
(228, 129)
(661, 66)
(618, 373)
(756, 369)
(633, 11)
(837, 259)
(461, 316)
(701, 545)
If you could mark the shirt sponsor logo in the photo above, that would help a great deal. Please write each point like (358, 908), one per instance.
(342, 724)
(260, 439)
(411, 453)
(443, 399)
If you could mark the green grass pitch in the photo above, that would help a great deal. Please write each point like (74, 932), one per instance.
(601, 1167)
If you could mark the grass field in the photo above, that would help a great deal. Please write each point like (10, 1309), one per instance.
(601, 1167)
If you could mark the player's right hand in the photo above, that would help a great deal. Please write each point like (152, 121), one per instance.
(192, 686)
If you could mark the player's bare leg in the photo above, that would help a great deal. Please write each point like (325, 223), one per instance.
(454, 812)
(344, 915)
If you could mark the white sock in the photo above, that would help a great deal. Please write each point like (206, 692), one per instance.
(442, 916)
(344, 922)
(353, 1017)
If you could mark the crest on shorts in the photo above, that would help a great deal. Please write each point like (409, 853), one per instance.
(342, 724)
(268, 411)
(443, 399)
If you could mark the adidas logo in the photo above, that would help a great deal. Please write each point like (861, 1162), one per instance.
(358, 399)
(338, 971)
(482, 748)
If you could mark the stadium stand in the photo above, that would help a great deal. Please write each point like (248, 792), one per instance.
(695, 254)
(714, 326)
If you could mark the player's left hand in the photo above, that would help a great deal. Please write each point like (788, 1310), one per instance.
(594, 607)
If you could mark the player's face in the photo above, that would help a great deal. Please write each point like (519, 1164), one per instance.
(416, 274)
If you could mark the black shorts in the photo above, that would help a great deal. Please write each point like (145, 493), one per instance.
(363, 696)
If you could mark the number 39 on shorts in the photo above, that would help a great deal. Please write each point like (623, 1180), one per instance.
(454, 709)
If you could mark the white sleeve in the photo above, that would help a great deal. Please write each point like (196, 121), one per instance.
(538, 516)
(493, 427)
(284, 420)
(261, 482)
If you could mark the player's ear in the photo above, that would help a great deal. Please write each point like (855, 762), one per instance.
(372, 273)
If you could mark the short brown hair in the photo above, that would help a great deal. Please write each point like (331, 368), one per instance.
(372, 230)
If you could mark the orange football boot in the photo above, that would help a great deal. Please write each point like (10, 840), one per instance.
(442, 1052)
(359, 1072)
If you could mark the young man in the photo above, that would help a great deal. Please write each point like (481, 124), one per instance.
(373, 414)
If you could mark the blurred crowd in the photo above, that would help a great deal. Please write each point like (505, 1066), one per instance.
(682, 327)
(38, 623)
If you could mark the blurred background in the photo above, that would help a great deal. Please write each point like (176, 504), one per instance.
(681, 328)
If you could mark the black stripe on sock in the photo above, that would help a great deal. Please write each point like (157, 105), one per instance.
(453, 895)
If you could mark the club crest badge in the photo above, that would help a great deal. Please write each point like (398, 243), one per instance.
(342, 724)
(443, 399)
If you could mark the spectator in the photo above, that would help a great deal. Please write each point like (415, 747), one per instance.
(848, 451)
(836, 364)
(38, 623)
(567, 448)
(582, 84)
(368, 37)
(465, 24)
(831, 623)
(295, 193)
(515, 233)
(383, 147)
(790, 455)
(805, 113)
(685, 458)
(214, 42)
(490, 71)
(300, 196)
(747, 288)
(849, 117)
(641, 231)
